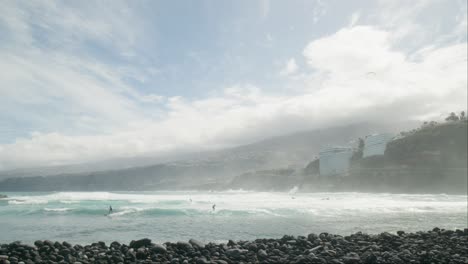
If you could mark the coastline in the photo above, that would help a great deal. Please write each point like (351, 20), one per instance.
(435, 246)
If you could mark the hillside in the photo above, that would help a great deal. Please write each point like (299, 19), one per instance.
(207, 170)
(432, 158)
(442, 145)
(267, 180)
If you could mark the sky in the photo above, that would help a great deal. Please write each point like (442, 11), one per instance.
(84, 81)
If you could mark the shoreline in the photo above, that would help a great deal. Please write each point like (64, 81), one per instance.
(190, 191)
(435, 246)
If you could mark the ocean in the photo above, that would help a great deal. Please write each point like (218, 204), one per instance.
(82, 217)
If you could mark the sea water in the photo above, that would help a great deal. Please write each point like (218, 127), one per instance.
(83, 217)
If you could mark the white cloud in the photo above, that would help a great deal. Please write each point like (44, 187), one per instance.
(92, 96)
(152, 98)
(400, 88)
(55, 73)
(66, 82)
(436, 82)
(354, 19)
(264, 8)
(290, 67)
(351, 51)
(420, 23)
(319, 11)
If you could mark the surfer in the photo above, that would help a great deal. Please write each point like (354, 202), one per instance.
(110, 209)
(214, 207)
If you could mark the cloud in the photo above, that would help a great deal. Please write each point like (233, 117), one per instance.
(351, 51)
(56, 74)
(90, 112)
(433, 84)
(319, 11)
(354, 19)
(422, 22)
(290, 68)
(401, 88)
(152, 98)
(264, 8)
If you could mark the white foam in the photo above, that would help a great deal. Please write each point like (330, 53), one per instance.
(69, 202)
(57, 209)
(27, 201)
(124, 212)
(277, 204)
(293, 190)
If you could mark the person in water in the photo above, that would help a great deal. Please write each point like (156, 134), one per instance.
(214, 207)
(110, 209)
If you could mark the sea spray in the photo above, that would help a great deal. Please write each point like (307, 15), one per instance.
(239, 214)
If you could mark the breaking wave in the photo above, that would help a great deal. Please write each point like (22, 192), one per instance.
(231, 203)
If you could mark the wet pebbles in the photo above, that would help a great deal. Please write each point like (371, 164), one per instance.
(436, 246)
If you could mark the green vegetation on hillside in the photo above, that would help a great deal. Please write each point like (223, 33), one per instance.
(431, 158)
(443, 145)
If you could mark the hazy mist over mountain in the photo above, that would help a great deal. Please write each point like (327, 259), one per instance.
(295, 149)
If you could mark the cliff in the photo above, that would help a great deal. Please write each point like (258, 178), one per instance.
(439, 145)
(430, 159)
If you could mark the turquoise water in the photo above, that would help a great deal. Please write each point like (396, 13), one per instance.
(81, 217)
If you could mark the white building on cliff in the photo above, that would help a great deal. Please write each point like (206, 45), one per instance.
(335, 161)
(376, 144)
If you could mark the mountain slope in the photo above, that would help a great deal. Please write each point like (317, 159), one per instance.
(208, 169)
